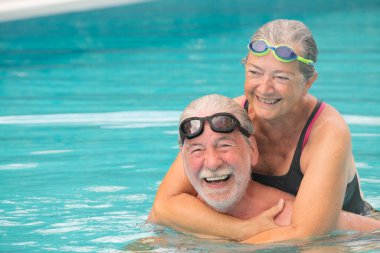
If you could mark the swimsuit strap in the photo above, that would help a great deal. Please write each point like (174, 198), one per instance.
(246, 104)
(313, 117)
(295, 165)
(309, 124)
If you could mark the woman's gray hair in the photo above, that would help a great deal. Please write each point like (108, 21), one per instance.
(214, 103)
(284, 31)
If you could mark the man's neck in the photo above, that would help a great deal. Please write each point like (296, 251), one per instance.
(249, 205)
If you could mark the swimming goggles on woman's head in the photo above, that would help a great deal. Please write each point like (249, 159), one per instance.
(220, 122)
(283, 53)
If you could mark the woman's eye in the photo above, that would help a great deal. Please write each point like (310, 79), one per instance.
(282, 78)
(254, 73)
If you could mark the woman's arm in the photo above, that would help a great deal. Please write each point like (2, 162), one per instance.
(347, 221)
(177, 206)
(351, 221)
(327, 159)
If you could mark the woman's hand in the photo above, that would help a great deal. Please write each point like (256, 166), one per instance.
(260, 223)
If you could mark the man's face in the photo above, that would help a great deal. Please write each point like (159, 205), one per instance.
(218, 165)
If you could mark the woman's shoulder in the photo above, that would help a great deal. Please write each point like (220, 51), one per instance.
(330, 123)
(329, 144)
(240, 100)
(332, 117)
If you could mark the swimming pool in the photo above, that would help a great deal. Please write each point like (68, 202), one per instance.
(90, 101)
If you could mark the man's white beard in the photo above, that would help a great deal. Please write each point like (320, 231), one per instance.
(229, 197)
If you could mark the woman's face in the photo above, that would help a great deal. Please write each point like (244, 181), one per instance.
(272, 87)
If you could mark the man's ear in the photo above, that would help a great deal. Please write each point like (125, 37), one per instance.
(253, 150)
(181, 148)
(309, 83)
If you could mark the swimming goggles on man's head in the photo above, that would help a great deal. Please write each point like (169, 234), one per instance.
(283, 53)
(220, 122)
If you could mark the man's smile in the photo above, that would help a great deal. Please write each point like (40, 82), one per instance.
(217, 179)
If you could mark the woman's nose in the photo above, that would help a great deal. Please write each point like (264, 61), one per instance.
(267, 84)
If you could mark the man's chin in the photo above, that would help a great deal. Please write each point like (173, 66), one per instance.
(220, 202)
(223, 199)
(222, 207)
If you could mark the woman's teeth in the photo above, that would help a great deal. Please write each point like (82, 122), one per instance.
(268, 101)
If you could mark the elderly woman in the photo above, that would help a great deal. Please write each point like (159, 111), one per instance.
(304, 148)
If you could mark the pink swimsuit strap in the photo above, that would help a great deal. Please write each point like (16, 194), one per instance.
(320, 109)
(309, 127)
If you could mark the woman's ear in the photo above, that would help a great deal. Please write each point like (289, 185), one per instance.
(309, 83)
(253, 150)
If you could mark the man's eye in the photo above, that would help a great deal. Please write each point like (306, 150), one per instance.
(195, 151)
(225, 146)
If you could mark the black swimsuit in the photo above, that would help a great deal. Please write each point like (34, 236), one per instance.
(291, 181)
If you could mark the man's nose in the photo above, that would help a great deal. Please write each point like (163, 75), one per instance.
(212, 159)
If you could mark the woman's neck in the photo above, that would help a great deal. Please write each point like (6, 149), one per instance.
(287, 125)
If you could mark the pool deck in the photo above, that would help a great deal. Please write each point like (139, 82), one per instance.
(22, 9)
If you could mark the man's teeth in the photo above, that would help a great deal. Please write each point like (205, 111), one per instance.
(219, 178)
(268, 101)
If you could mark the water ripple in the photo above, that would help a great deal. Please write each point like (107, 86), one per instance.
(79, 206)
(18, 166)
(362, 120)
(56, 230)
(105, 188)
(362, 165)
(78, 249)
(122, 238)
(6, 223)
(31, 243)
(132, 119)
(48, 152)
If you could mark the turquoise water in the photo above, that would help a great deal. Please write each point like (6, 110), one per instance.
(89, 104)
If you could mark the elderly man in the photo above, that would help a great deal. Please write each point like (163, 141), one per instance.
(218, 151)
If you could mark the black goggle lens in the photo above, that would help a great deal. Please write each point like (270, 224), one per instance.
(220, 123)
(223, 124)
(191, 127)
